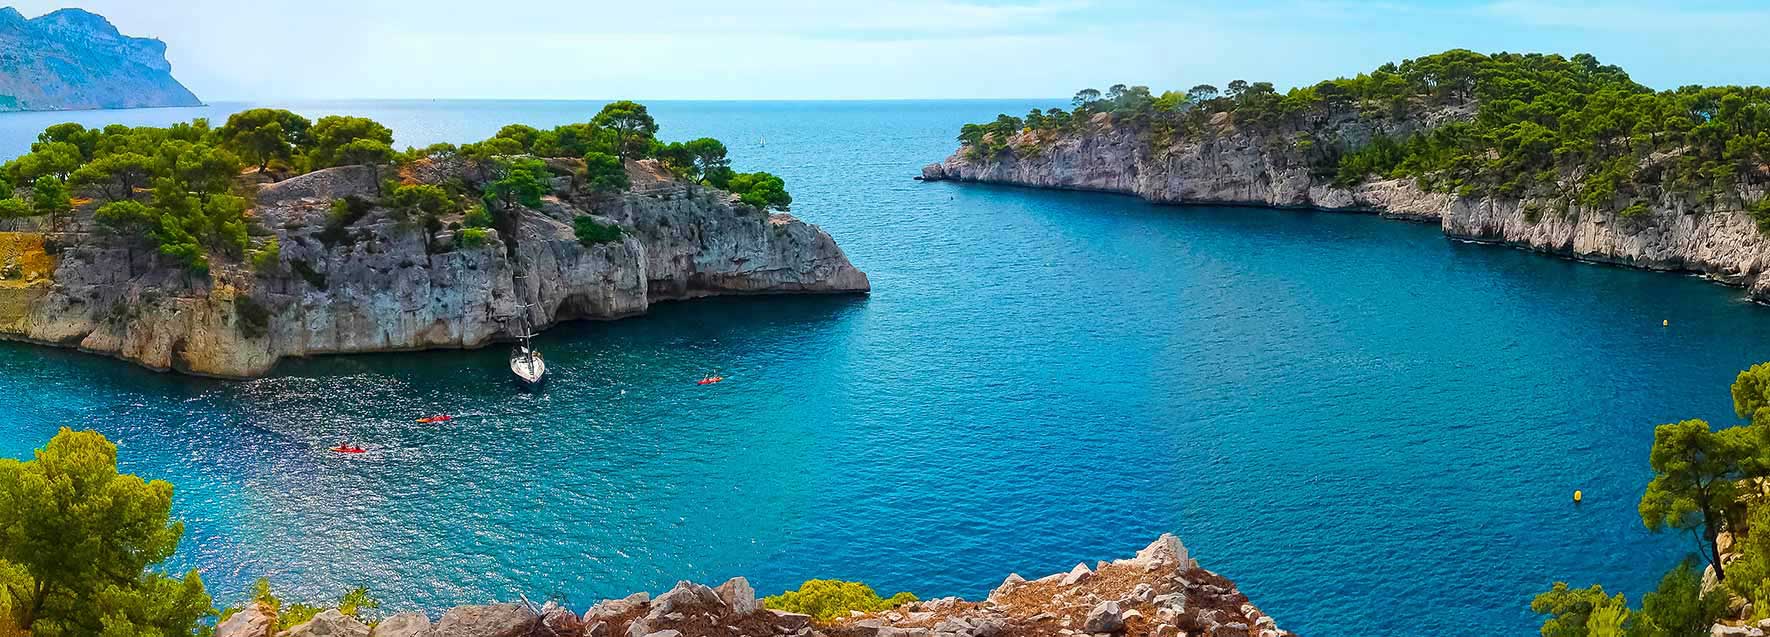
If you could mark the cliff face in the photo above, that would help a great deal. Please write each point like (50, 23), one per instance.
(1273, 169)
(71, 59)
(1159, 593)
(380, 283)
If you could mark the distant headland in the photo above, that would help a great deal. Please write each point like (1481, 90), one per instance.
(76, 60)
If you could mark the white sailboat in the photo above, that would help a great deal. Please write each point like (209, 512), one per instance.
(525, 362)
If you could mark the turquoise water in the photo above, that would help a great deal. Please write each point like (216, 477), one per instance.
(1372, 429)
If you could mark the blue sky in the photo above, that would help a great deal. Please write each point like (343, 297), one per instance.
(781, 49)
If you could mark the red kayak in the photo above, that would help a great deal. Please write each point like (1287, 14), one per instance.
(436, 418)
(344, 449)
(709, 380)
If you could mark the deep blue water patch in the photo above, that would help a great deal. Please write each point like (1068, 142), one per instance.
(1372, 429)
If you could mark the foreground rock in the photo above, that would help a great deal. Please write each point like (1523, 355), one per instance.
(1231, 166)
(1159, 593)
(382, 283)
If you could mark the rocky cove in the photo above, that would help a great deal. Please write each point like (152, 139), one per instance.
(1232, 166)
(1160, 592)
(383, 284)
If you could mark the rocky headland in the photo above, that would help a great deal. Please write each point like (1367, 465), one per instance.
(1161, 592)
(383, 283)
(1243, 165)
(72, 59)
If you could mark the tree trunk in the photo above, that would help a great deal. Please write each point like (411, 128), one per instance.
(1712, 535)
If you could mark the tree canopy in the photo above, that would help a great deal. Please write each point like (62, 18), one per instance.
(182, 187)
(1572, 131)
(77, 539)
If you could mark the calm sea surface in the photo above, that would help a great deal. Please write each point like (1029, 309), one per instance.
(1372, 429)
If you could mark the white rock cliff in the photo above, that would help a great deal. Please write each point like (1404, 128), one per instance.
(383, 285)
(1235, 167)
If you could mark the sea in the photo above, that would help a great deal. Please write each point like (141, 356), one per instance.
(1371, 428)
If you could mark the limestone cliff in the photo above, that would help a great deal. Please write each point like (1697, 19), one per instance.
(72, 59)
(381, 283)
(1275, 168)
(1161, 592)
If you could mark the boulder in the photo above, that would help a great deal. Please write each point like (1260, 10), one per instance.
(790, 622)
(330, 623)
(497, 620)
(253, 621)
(1165, 550)
(738, 596)
(685, 596)
(1105, 618)
(403, 625)
(910, 631)
(558, 621)
(1076, 575)
(1013, 581)
(609, 608)
(1231, 629)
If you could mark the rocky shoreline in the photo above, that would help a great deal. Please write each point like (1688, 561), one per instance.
(1233, 167)
(381, 283)
(1161, 592)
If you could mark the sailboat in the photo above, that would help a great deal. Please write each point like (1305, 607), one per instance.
(526, 363)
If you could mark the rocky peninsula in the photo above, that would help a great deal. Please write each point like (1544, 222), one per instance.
(72, 59)
(1627, 206)
(336, 265)
(1161, 592)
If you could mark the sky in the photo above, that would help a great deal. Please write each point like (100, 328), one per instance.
(890, 49)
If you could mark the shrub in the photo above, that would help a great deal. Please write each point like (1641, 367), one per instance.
(477, 217)
(828, 599)
(13, 208)
(592, 232)
(760, 189)
(290, 614)
(605, 173)
(345, 212)
(423, 201)
(265, 258)
(471, 237)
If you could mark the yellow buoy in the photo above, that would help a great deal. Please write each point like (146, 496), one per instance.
(1665, 323)
(1576, 495)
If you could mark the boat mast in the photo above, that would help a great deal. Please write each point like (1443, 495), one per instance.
(523, 315)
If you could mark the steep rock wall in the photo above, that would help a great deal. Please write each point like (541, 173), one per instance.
(383, 284)
(1234, 167)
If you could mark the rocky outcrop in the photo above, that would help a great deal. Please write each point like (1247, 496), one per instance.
(1276, 168)
(72, 59)
(1161, 592)
(380, 282)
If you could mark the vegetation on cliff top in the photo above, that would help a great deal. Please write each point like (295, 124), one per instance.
(1569, 131)
(1710, 484)
(189, 188)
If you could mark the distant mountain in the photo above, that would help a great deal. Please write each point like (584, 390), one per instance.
(73, 59)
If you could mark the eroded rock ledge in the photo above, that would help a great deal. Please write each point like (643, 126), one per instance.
(1161, 592)
(1243, 168)
(380, 283)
